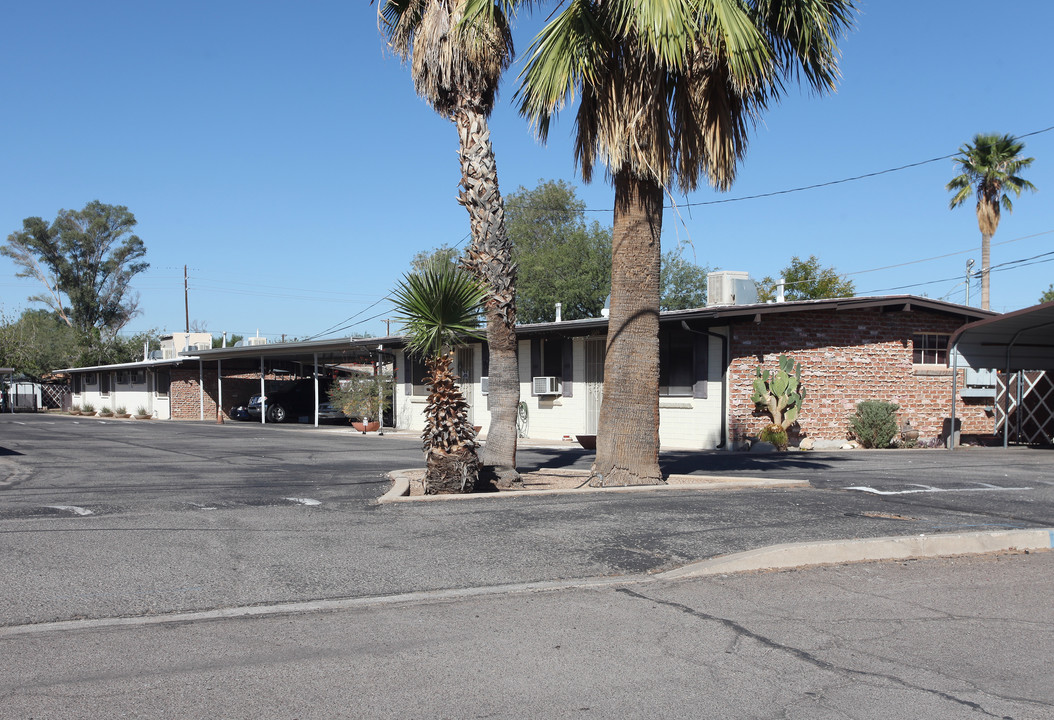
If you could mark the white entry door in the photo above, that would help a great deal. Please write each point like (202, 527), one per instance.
(464, 372)
(594, 382)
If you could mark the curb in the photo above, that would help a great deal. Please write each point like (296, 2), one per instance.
(838, 552)
(400, 491)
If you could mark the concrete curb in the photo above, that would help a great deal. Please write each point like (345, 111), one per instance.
(400, 491)
(837, 552)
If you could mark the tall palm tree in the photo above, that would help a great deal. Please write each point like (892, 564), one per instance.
(456, 67)
(440, 309)
(666, 91)
(990, 168)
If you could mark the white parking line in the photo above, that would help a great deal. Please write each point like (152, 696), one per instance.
(985, 487)
(71, 508)
(305, 501)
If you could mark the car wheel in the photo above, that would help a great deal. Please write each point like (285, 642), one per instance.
(277, 414)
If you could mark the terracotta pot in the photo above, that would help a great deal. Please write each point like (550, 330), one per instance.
(589, 442)
(370, 427)
(142, 417)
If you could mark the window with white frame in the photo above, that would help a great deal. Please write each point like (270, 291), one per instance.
(929, 349)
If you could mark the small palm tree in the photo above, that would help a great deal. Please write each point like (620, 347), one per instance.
(440, 309)
(990, 168)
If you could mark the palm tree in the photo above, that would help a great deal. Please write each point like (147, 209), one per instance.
(666, 91)
(456, 67)
(440, 308)
(990, 167)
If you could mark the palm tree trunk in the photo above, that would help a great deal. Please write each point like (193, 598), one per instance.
(628, 427)
(986, 264)
(490, 258)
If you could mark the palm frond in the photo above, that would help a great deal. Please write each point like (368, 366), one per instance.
(439, 306)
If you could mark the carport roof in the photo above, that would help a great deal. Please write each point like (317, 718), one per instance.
(1020, 340)
(303, 351)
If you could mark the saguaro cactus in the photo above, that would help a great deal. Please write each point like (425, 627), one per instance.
(781, 393)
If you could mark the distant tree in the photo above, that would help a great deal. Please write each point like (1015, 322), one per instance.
(421, 260)
(85, 260)
(1048, 296)
(682, 283)
(990, 168)
(562, 258)
(232, 340)
(38, 342)
(806, 280)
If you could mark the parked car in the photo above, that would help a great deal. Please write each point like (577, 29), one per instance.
(293, 400)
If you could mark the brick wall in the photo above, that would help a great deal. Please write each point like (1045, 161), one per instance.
(848, 356)
(185, 394)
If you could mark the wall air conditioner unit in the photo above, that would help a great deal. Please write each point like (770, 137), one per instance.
(484, 385)
(545, 385)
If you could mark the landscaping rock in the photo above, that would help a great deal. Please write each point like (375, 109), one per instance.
(807, 444)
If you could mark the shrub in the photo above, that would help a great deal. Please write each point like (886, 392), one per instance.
(875, 423)
(105, 411)
(87, 408)
(120, 410)
(141, 411)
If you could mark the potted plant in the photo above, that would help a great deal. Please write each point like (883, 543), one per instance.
(364, 398)
(105, 412)
(87, 409)
(141, 413)
(120, 412)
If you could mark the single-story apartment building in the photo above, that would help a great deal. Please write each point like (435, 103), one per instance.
(892, 348)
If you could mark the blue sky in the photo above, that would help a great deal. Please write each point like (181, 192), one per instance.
(278, 150)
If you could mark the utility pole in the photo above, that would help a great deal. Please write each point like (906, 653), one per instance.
(186, 298)
(969, 272)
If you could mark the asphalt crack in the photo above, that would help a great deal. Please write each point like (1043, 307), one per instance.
(806, 656)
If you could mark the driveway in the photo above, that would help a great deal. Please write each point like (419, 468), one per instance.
(126, 518)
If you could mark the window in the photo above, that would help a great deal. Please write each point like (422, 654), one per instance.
(929, 349)
(90, 379)
(552, 357)
(104, 384)
(138, 377)
(683, 363)
(122, 377)
(415, 375)
(162, 382)
(77, 380)
(676, 364)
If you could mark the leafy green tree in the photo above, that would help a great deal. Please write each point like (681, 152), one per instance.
(38, 342)
(456, 64)
(422, 258)
(665, 93)
(86, 260)
(682, 283)
(561, 258)
(440, 309)
(806, 280)
(990, 170)
(1048, 296)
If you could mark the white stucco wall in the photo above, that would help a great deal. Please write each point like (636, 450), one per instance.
(684, 422)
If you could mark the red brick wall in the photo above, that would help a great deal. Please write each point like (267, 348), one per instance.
(846, 357)
(185, 395)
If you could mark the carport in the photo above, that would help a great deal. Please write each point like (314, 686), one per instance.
(1016, 342)
(312, 355)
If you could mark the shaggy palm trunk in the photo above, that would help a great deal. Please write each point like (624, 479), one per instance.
(452, 465)
(986, 264)
(628, 427)
(490, 258)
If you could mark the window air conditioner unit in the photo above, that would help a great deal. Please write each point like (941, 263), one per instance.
(546, 385)
(484, 385)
